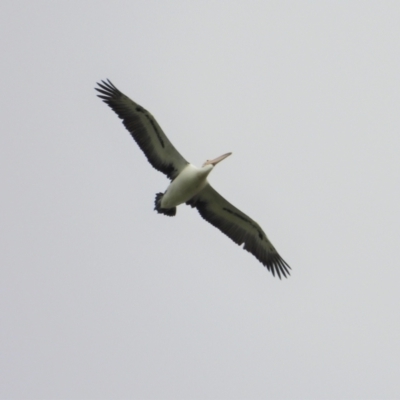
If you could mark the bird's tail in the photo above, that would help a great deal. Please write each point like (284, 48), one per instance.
(157, 206)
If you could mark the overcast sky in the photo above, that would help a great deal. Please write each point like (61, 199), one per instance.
(101, 297)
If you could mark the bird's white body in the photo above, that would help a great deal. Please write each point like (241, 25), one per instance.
(186, 185)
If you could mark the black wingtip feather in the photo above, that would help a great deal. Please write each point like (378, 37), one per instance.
(108, 91)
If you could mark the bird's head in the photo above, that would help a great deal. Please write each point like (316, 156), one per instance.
(215, 161)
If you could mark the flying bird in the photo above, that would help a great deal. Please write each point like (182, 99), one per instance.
(188, 183)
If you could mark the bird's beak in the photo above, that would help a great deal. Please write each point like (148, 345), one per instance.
(216, 160)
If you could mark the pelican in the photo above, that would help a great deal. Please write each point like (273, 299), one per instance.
(188, 183)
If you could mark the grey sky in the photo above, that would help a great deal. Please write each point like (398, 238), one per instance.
(103, 298)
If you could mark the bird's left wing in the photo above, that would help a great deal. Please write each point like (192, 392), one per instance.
(160, 152)
(239, 227)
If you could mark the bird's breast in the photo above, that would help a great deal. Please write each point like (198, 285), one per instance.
(188, 183)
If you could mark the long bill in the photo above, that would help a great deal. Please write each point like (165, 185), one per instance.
(215, 161)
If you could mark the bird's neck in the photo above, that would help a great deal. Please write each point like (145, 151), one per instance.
(206, 169)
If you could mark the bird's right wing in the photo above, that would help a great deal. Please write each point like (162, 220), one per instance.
(160, 152)
(239, 227)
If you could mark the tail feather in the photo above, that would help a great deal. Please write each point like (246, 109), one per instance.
(166, 211)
